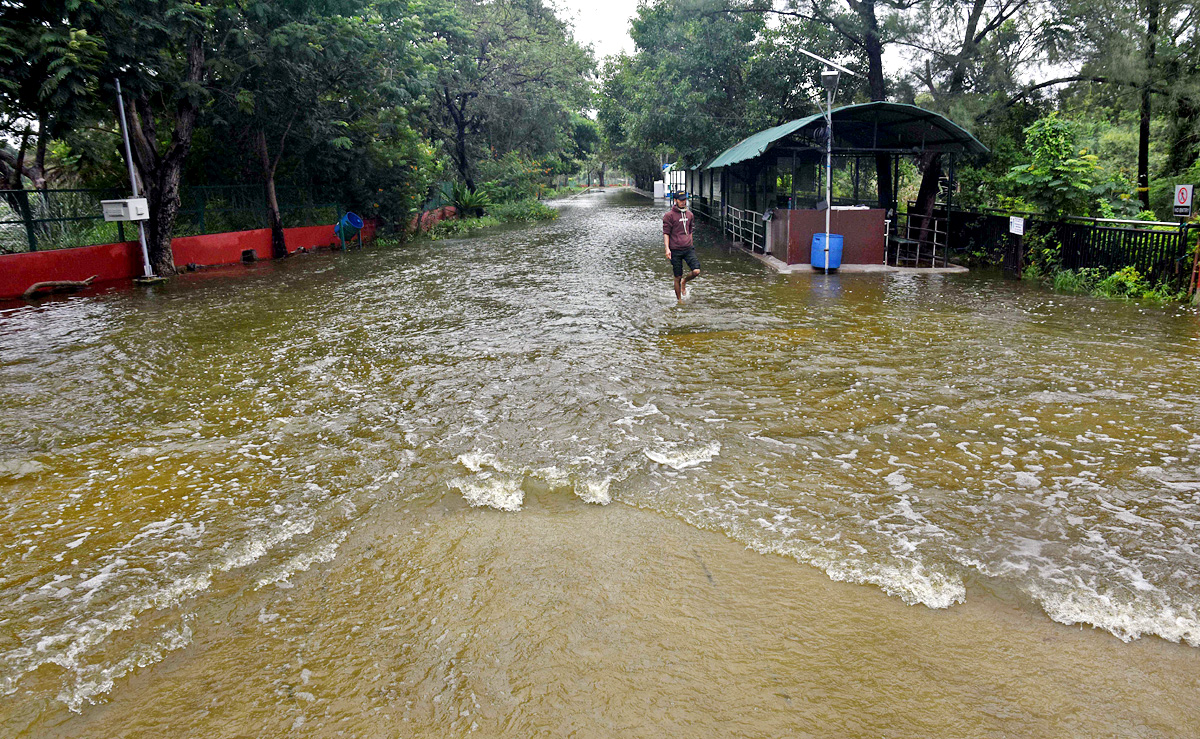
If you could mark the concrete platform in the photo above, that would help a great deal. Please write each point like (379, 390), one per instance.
(780, 266)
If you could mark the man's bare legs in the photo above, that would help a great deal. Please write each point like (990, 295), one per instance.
(681, 283)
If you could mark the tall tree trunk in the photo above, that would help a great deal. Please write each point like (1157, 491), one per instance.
(161, 173)
(1143, 164)
(601, 174)
(872, 44)
(927, 196)
(459, 117)
(278, 242)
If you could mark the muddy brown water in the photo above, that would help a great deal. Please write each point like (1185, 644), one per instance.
(505, 486)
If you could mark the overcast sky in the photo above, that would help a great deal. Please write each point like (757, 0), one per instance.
(602, 23)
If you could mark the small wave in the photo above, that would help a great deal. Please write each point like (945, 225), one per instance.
(682, 459)
(503, 494)
(1127, 621)
(302, 562)
(912, 582)
(594, 491)
(97, 680)
(68, 647)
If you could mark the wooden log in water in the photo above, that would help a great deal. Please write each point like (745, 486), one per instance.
(57, 286)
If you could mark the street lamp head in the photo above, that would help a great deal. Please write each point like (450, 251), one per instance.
(829, 79)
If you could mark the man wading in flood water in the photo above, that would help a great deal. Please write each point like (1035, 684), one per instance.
(677, 242)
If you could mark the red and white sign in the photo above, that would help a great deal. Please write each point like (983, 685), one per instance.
(1183, 201)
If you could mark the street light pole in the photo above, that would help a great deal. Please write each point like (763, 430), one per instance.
(829, 80)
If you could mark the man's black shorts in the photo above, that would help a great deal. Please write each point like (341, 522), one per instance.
(679, 257)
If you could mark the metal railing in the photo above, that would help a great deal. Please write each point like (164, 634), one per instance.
(745, 227)
(914, 236)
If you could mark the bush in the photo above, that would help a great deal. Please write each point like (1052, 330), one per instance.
(523, 210)
(1126, 282)
(457, 227)
(469, 202)
(1059, 177)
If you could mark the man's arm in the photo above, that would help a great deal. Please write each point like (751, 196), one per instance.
(667, 245)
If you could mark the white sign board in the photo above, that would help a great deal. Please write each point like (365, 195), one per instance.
(1183, 201)
(1016, 225)
(129, 209)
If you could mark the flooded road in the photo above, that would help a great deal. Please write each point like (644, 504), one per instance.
(506, 486)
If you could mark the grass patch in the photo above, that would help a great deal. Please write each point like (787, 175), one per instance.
(457, 227)
(1124, 284)
(562, 192)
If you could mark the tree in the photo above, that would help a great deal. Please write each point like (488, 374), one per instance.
(163, 51)
(511, 79)
(1058, 178)
(48, 65)
(298, 74)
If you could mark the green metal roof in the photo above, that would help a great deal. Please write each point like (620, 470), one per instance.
(866, 126)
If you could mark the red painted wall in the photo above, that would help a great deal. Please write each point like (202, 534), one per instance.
(863, 239)
(110, 262)
(426, 220)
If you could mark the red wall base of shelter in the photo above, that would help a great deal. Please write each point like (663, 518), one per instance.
(123, 261)
(863, 235)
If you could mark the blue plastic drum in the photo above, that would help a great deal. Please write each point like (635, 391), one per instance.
(818, 251)
(348, 226)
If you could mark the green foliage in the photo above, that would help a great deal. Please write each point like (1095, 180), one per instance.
(707, 73)
(1126, 282)
(523, 210)
(1079, 281)
(460, 227)
(512, 177)
(1043, 252)
(512, 80)
(469, 202)
(1059, 177)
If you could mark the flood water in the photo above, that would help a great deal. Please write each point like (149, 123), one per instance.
(506, 486)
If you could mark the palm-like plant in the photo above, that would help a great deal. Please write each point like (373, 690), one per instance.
(469, 202)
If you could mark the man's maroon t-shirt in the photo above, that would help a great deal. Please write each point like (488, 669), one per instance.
(677, 225)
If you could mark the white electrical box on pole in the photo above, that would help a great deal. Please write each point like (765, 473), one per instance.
(147, 270)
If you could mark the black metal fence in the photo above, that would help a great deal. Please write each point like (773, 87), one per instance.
(1157, 250)
(39, 220)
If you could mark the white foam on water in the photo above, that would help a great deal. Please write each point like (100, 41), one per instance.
(912, 581)
(326, 552)
(682, 459)
(594, 491)
(19, 468)
(1127, 620)
(80, 635)
(95, 680)
(475, 461)
(1027, 480)
(501, 493)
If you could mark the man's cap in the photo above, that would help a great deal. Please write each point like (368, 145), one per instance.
(681, 195)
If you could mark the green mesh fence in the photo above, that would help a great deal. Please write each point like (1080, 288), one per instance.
(39, 220)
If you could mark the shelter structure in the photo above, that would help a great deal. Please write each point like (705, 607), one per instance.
(768, 192)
